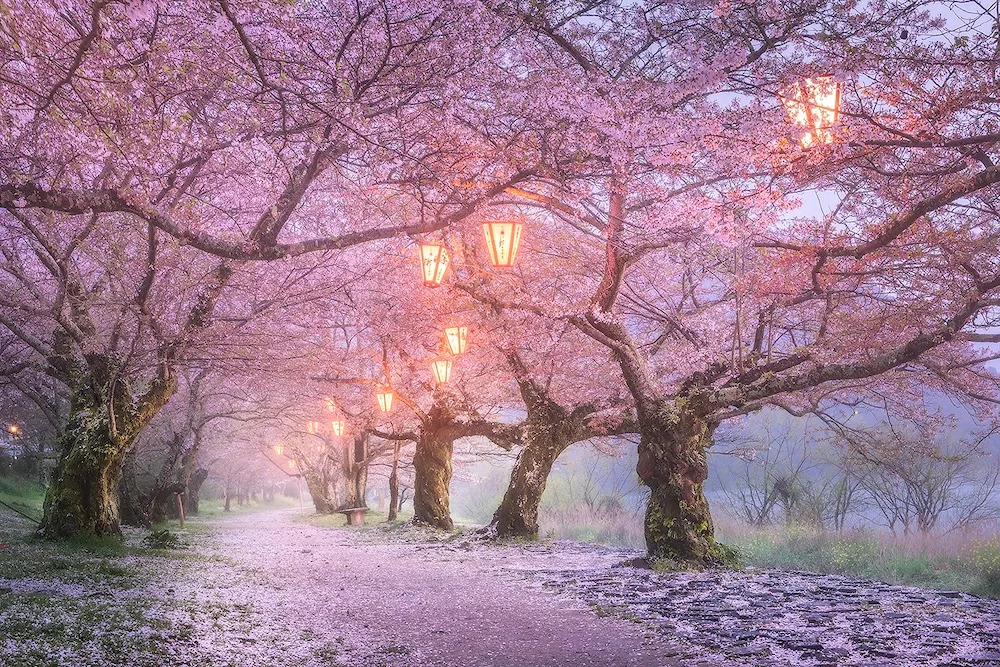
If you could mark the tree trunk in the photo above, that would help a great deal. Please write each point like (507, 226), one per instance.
(432, 478)
(355, 472)
(192, 499)
(319, 489)
(132, 502)
(103, 423)
(673, 464)
(394, 485)
(83, 495)
(517, 515)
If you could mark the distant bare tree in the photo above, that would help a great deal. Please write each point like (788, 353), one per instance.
(917, 482)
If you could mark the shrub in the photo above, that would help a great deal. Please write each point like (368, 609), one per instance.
(162, 539)
(984, 559)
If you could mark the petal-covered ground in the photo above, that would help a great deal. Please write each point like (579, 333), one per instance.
(274, 589)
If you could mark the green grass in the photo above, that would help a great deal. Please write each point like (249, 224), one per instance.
(61, 603)
(972, 566)
(27, 497)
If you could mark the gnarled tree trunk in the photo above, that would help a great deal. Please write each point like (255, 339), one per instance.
(549, 430)
(673, 464)
(432, 479)
(192, 498)
(356, 472)
(103, 423)
(132, 502)
(324, 497)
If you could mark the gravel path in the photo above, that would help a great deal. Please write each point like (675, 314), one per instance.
(290, 593)
(271, 589)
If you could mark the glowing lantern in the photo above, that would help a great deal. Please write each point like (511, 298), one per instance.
(13, 429)
(312, 427)
(502, 239)
(338, 426)
(279, 449)
(291, 463)
(815, 104)
(442, 370)
(433, 263)
(384, 398)
(331, 406)
(456, 337)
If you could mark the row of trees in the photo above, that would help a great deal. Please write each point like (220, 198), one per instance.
(193, 187)
(838, 475)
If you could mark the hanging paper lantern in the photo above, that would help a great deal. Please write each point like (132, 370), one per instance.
(384, 398)
(279, 449)
(502, 240)
(331, 405)
(456, 337)
(442, 370)
(338, 426)
(312, 427)
(433, 263)
(814, 104)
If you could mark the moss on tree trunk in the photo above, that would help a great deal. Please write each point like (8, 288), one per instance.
(83, 493)
(103, 423)
(432, 479)
(673, 464)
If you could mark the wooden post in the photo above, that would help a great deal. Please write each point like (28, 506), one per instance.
(180, 508)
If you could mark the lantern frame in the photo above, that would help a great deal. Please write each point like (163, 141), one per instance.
(337, 426)
(442, 370)
(434, 261)
(384, 398)
(503, 237)
(457, 338)
(312, 427)
(279, 449)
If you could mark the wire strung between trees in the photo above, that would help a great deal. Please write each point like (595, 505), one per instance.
(14, 509)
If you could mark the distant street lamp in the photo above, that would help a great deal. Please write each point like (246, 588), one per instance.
(457, 338)
(502, 240)
(384, 398)
(814, 104)
(442, 370)
(433, 263)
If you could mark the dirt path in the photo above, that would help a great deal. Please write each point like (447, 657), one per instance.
(297, 594)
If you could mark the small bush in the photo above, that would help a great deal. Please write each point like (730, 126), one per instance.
(162, 539)
(984, 559)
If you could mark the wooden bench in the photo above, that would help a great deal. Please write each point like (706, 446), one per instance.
(355, 515)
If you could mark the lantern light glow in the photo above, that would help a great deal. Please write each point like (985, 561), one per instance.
(814, 104)
(433, 263)
(442, 370)
(338, 426)
(457, 338)
(279, 449)
(502, 240)
(312, 427)
(384, 398)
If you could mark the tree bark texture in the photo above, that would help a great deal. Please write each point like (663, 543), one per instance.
(103, 423)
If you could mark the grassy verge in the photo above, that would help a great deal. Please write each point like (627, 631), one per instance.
(971, 565)
(79, 602)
